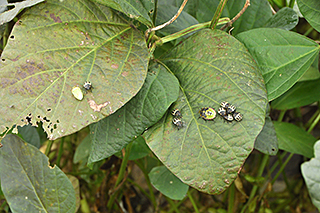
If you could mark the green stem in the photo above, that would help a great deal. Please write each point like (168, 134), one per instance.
(281, 115)
(231, 198)
(60, 152)
(155, 10)
(49, 145)
(174, 207)
(121, 174)
(217, 14)
(281, 168)
(280, 158)
(263, 164)
(314, 123)
(312, 119)
(308, 31)
(193, 203)
(291, 3)
(188, 30)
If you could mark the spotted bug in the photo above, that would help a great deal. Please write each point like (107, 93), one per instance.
(177, 122)
(207, 113)
(222, 111)
(224, 104)
(77, 93)
(87, 85)
(231, 109)
(228, 117)
(176, 113)
(237, 116)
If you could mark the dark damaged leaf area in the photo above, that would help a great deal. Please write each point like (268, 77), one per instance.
(57, 47)
(211, 67)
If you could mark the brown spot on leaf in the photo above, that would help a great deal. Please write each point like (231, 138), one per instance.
(115, 66)
(124, 73)
(56, 19)
(97, 107)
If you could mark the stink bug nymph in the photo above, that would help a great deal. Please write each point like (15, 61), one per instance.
(228, 117)
(87, 85)
(224, 104)
(237, 116)
(231, 109)
(207, 113)
(177, 122)
(222, 111)
(176, 113)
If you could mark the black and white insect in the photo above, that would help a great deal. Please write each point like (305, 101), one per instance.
(222, 111)
(225, 104)
(237, 116)
(228, 117)
(177, 122)
(87, 85)
(176, 113)
(231, 109)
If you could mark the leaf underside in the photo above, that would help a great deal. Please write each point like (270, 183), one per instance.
(211, 67)
(58, 45)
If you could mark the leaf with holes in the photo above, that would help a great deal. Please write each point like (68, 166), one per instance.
(111, 134)
(57, 46)
(212, 67)
(29, 183)
(283, 56)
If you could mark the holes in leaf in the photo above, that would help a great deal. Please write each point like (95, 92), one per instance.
(48, 109)
(12, 36)
(58, 121)
(3, 59)
(45, 118)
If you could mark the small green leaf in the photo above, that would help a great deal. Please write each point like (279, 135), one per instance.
(301, 94)
(29, 183)
(313, 72)
(311, 174)
(83, 150)
(30, 134)
(286, 19)
(310, 9)
(212, 67)
(267, 141)
(283, 56)
(114, 132)
(168, 184)
(58, 45)
(294, 139)
(139, 149)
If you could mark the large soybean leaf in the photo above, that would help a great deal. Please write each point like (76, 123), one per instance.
(137, 9)
(301, 94)
(29, 183)
(286, 18)
(282, 56)
(310, 9)
(58, 45)
(211, 67)
(111, 134)
(294, 139)
(311, 174)
(168, 184)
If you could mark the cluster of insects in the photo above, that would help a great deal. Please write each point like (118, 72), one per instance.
(228, 112)
(177, 118)
(77, 92)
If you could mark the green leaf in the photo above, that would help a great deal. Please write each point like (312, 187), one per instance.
(137, 9)
(311, 173)
(301, 94)
(313, 72)
(139, 149)
(286, 19)
(211, 67)
(30, 134)
(283, 56)
(294, 139)
(18, 6)
(58, 45)
(29, 183)
(83, 150)
(111, 134)
(310, 9)
(267, 141)
(168, 184)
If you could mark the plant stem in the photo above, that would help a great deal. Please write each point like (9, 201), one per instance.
(49, 145)
(291, 3)
(217, 14)
(312, 119)
(60, 152)
(121, 174)
(174, 207)
(246, 5)
(314, 123)
(155, 10)
(263, 164)
(281, 168)
(308, 31)
(188, 30)
(193, 203)
(231, 198)
(281, 115)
